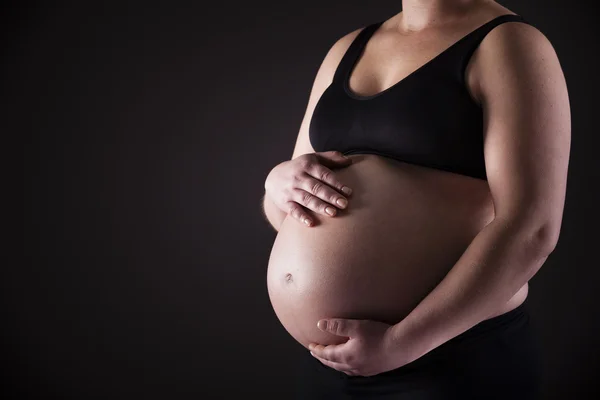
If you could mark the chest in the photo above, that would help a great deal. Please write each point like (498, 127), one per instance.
(427, 119)
(384, 64)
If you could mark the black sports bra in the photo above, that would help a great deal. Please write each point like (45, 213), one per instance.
(428, 118)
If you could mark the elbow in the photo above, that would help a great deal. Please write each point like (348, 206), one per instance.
(545, 237)
(540, 237)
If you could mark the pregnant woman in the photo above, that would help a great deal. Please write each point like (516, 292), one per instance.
(425, 190)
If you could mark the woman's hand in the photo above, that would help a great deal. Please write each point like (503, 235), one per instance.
(370, 350)
(308, 183)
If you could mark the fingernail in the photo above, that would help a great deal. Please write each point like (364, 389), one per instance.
(342, 202)
(330, 210)
(347, 190)
(307, 221)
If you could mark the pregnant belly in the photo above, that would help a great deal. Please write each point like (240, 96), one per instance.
(404, 228)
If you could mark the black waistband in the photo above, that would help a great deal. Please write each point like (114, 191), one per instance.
(517, 313)
(502, 324)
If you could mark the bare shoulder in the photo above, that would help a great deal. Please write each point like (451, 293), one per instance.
(519, 48)
(518, 34)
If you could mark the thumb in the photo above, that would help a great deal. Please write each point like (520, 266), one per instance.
(338, 326)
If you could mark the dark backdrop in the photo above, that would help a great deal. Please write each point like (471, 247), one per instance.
(148, 131)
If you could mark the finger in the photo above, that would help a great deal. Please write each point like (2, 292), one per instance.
(340, 326)
(318, 166)
(327, 176)
(325, 195)
(332, 352)
(299, 213)
(315, 203)
(335, 365)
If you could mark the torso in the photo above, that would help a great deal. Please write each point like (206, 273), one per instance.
(405, 226)
(403, 230)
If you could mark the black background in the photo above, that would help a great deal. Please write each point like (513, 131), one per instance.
(148, 131)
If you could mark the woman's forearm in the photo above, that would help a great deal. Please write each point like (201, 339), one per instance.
(497, 263)
(272, 213)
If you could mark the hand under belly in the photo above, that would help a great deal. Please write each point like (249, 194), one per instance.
(404, 228)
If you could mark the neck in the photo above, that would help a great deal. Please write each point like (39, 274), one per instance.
(418, 15)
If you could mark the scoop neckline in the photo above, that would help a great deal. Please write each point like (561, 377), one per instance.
(374, 27)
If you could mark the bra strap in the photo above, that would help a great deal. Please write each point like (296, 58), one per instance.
(353, 52)
(473, 39)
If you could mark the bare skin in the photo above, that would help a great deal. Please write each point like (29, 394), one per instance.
(404, 228)
(393, 220)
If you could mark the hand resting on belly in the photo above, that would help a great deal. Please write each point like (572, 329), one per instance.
(403, 229)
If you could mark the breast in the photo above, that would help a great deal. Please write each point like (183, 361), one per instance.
(431, 121)
(404, 228)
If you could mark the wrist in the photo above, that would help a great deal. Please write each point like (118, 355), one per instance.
(407, 341)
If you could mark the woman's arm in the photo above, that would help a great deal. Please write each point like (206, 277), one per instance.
(527, 138)
(322, 80)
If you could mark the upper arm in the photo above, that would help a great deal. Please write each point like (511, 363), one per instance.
(527, 127)
(322, 80)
